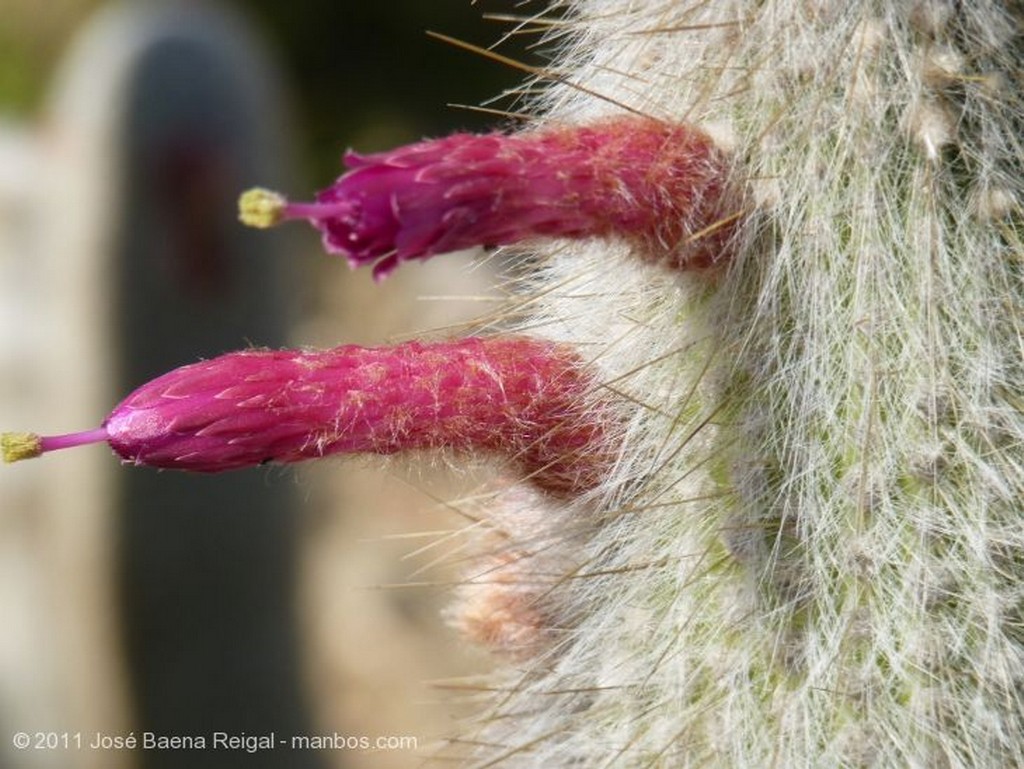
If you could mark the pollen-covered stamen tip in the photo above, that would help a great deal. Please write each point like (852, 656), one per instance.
(18, 446)
(658, 185)
(261, 208)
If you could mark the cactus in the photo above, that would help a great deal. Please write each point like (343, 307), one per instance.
(804, 546)
(810, 553)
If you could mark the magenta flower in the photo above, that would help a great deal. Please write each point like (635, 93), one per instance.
(643, 180)
(516, 396)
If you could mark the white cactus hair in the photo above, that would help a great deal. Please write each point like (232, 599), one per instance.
(811, 550)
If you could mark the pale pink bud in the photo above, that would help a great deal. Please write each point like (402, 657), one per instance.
(656, 184)
(516, 396)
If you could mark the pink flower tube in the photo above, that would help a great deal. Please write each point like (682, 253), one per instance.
(657, 184)
(516, 396)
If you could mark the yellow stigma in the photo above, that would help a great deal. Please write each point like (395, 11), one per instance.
(261, 208)
(16, 446)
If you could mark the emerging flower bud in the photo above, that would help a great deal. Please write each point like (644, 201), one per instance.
(517, 396)
(656, 184)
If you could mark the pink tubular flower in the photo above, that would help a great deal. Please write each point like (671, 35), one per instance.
(654, 183)
(516, 396)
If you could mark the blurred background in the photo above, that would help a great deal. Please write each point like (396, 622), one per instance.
(301, 601)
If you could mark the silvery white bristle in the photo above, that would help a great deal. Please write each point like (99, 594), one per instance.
(811, 551)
